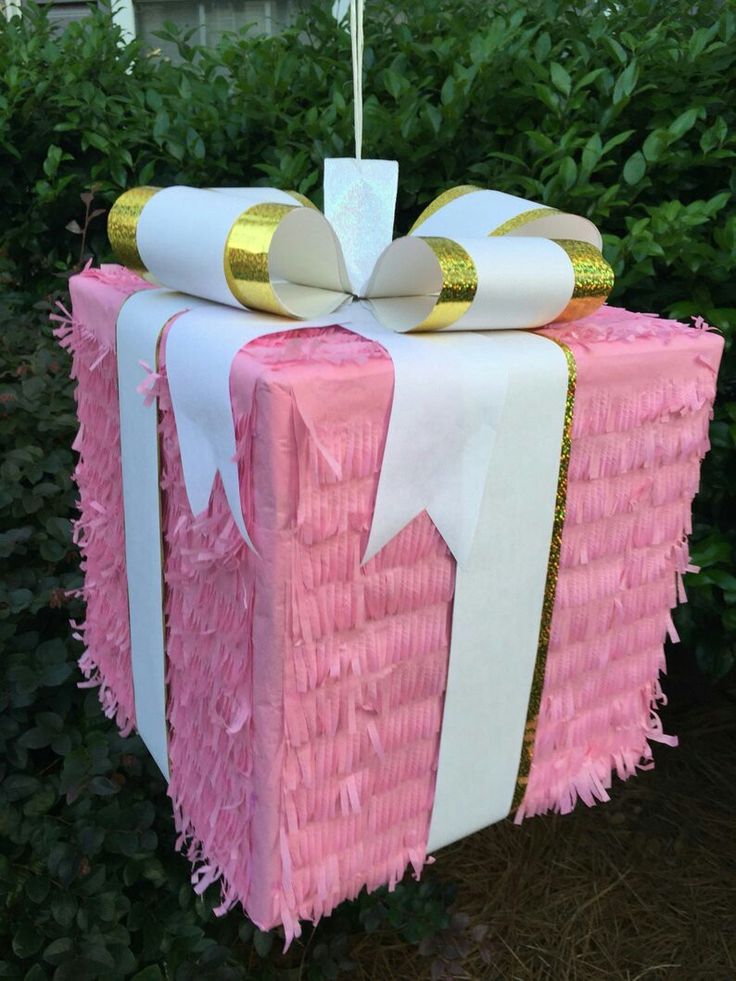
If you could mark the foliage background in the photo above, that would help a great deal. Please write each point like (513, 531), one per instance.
(622, 111)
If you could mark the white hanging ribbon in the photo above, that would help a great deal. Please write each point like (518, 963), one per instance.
(356, 44)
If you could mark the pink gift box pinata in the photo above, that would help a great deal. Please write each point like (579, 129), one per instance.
(305, 690)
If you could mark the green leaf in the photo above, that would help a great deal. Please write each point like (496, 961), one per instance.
(52, 161)
(27, 941)
(655, 144)
(35, 739)
(36, 973)
(626, 82)
(560, 78)
(568, 172)
(394, 82)
(447, 93)
(150, 973)
(58, 950)
(684, 122)
(18, 786)
(103, 786)
(262, 942)
(63, 909)
(37, 888)
(715, 136)
(96, 140)
(617, 140)
(635, 168)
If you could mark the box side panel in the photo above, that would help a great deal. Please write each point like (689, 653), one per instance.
(644, 402)
(364, 649)
(99, 532)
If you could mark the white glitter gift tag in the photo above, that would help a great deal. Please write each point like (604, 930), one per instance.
(360, 201)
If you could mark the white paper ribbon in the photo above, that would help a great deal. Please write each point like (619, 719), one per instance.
(139, 328)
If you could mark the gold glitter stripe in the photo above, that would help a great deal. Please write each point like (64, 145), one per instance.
(303, 199)
(593, 279)
(518, 221)
(550, 588)
(459, 284)
(441, 200)
(162, 546)
(246, 257)
(122, 223)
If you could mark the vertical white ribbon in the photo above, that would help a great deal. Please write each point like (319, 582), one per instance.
(140, 323)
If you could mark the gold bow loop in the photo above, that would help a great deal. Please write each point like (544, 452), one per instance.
(474, 259)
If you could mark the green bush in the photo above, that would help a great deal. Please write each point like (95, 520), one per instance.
(620, 111)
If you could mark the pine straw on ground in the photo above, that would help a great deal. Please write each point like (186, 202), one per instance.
(643, 887)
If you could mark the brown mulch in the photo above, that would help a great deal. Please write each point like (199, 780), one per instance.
(643, 887)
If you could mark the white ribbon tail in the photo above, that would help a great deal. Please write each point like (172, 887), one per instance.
(139, 328)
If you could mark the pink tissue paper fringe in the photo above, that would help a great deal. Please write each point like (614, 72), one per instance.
(305, 702)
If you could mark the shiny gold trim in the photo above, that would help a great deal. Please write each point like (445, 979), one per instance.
(593, 279)
(441, 200)
(303, 199)
(550, 588)
(518, 221)
(246, 257)
(459, 284)
(122, 224)
(162, 547)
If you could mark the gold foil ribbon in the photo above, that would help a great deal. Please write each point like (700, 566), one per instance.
(524, 218)
(246, 257)
(122, 225)
(441, 200)
(550, 587)
(459, 284)
(593, 279)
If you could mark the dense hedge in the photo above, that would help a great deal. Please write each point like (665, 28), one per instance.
(622, 111)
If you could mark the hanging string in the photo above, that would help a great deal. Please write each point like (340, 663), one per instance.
(356, 40)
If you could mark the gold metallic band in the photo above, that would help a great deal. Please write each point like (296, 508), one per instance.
(550, 588)
(593, 279)
(122, 224)
(524, 218)
(246, 257)
(441, 200)
(303, 199)
(459, 284)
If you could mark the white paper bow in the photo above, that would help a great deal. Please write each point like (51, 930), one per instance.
(474, 260)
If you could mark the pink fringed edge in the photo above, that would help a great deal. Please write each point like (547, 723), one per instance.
(98, 531)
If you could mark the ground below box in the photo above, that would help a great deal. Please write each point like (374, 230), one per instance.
(641, 888)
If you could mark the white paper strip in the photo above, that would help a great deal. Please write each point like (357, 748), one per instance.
(139, 327)
(499, 594)
(200, 349)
